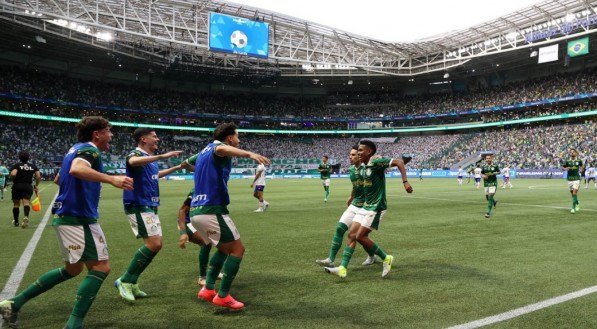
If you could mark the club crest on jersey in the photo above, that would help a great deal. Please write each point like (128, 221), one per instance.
(368, 171)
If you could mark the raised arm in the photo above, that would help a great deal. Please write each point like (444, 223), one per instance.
(168, 171)
(230, 151)
(138, 161)
(399, 163)
(82, 169)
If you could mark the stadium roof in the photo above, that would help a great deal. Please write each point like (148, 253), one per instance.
(175, 31)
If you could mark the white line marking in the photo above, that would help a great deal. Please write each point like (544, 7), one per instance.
(525, 309)
(11, 286)
(500, 202)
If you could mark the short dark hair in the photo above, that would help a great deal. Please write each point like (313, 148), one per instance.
(88, 125)
(140, 132)
(355, 147)
(24, 156)
(224, 130)
(369, 144)
(325, 156)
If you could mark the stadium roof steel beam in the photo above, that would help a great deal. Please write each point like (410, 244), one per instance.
(176, 31)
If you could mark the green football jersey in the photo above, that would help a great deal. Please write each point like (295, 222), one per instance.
(374, 184)
(327, 170)
(491, 180)
(573, 168)
(356, 177)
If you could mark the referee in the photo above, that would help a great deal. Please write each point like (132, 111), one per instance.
(22, 187)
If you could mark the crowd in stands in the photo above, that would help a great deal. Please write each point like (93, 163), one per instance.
(529, 147)
(523, 147)
(174, 107)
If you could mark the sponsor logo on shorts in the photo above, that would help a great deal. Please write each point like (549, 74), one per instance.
(101, 240)
(74, 247)
(211, 232)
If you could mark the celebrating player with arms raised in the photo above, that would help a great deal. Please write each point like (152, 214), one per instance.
(209, 211)
(374, 208)
(355, 203)
(81, 238)
(141, 207)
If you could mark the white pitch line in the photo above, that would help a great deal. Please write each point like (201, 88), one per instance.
(14, 281)
(525, 309)
(500, 202)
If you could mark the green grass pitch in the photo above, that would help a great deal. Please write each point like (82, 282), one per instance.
(452, 265)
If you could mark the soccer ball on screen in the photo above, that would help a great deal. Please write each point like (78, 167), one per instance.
(238, 39)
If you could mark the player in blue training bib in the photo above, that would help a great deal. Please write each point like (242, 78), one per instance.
(81, 239)
(209, 211)
(141, 207)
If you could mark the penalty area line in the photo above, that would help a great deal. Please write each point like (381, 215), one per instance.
(525, 309)
(14, 281)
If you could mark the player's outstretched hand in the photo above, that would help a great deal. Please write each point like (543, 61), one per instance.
(408, 188)
(182, 241)
(260, 159)
(171, 154)
(123, 182)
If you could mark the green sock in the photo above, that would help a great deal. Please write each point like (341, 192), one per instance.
(375, 249)
(346, 256)
(44, 283)
(85, 296)
(337, 240)
(230, 269)
(204, 259)
(213, 270)
(489, 204)
(327, 191)
(574, 200)
(141, 260)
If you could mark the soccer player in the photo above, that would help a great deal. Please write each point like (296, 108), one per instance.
(355, 203)
(374, 208)
(22, 174)
(259, 183)
(461, 173)
(189, 234)
(209, 211)
(325, 170)
(81, 239)
(574, 166)
(489, 173)
(506, 177)
(141, 207)
(477, 175)
(3, 174)
(591, 173)
(420, 173)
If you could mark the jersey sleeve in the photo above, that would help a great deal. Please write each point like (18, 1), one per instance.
(91, 155)
(381, 163)
(192, 160)
(134, 153)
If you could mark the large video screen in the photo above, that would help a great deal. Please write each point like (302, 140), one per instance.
(237, 35)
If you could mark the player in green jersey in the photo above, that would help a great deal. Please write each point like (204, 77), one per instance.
(374, 207)
(489, 173)
(574, 166)
(325, 169)
(354, 203)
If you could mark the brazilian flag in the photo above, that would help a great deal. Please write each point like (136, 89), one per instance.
(578, 47)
